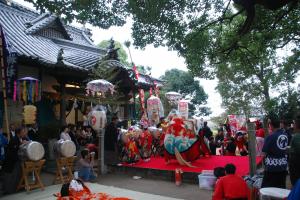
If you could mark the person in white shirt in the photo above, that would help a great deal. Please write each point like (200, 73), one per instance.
(64, 135)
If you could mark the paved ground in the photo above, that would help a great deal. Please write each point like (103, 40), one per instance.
(125, 184)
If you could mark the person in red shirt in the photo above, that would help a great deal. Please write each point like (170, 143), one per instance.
(231, 186)
(260, 139)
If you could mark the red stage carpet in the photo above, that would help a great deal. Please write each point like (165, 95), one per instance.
(241, 163)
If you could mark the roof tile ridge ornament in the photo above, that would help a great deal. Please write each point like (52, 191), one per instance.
(112, 52)
(60, 56)
(39, 18)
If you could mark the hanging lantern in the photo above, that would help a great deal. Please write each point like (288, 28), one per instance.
(27, 89)
(97, 119)
(29, 114)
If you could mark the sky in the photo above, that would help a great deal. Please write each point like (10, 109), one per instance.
(160, 59)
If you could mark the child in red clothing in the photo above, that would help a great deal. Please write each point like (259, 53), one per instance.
(231, 186)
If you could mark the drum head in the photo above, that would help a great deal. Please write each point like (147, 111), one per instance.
(35, 151)
(68, 148)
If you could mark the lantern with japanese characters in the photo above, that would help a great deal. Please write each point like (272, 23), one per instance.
(155, 110)
(97, 118)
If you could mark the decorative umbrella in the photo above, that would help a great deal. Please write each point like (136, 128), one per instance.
(27, 89)
(99, 87)
(173, 97)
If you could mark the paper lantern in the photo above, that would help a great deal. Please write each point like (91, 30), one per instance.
(29, 114)
(183, 108)
(97, 119)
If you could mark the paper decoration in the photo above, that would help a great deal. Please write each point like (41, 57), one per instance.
(142, 100)
(237, 123)
(183, 108)
(29, 114)
(27, 89)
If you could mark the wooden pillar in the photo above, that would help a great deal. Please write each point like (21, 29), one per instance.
(62, 103)
(126, 107)
(252, 148)
(134, 104)
(76, 115)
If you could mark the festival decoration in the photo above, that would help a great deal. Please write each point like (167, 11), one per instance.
(27, 89)
(173, 97)
(76, 189)
(99, 88)
(29, 114)
(237, 123)
(97, 118)
(145, 142)
(183, 108)
(142, 100)
(180, 141)
(155, 110)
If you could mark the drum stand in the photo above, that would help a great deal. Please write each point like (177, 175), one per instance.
(68, 164)
(27, 168)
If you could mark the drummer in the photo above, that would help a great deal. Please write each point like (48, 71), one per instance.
(12, 164)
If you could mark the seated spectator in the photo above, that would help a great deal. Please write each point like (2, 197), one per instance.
(72, 133)
(64, 135)
(3, 144)
(231, 186)
(230, 147)
(86, 164)
(33, 132)
(219, 172)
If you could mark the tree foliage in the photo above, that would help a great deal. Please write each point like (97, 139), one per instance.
(184, 83)
(204, 32)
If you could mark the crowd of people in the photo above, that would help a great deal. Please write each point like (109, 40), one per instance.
(84, 139)
(281, 152)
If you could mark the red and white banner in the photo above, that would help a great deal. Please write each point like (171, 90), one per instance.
(183, 108)
(237, 123)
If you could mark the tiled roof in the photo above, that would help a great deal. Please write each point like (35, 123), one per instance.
(20, 26)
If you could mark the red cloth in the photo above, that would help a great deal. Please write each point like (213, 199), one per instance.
(260, 133)
(230, 187)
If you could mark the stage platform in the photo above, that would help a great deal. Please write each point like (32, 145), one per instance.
(157, 168)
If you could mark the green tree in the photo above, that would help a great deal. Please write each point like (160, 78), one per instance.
(184, 83)
(204, 32)
(121, 52)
